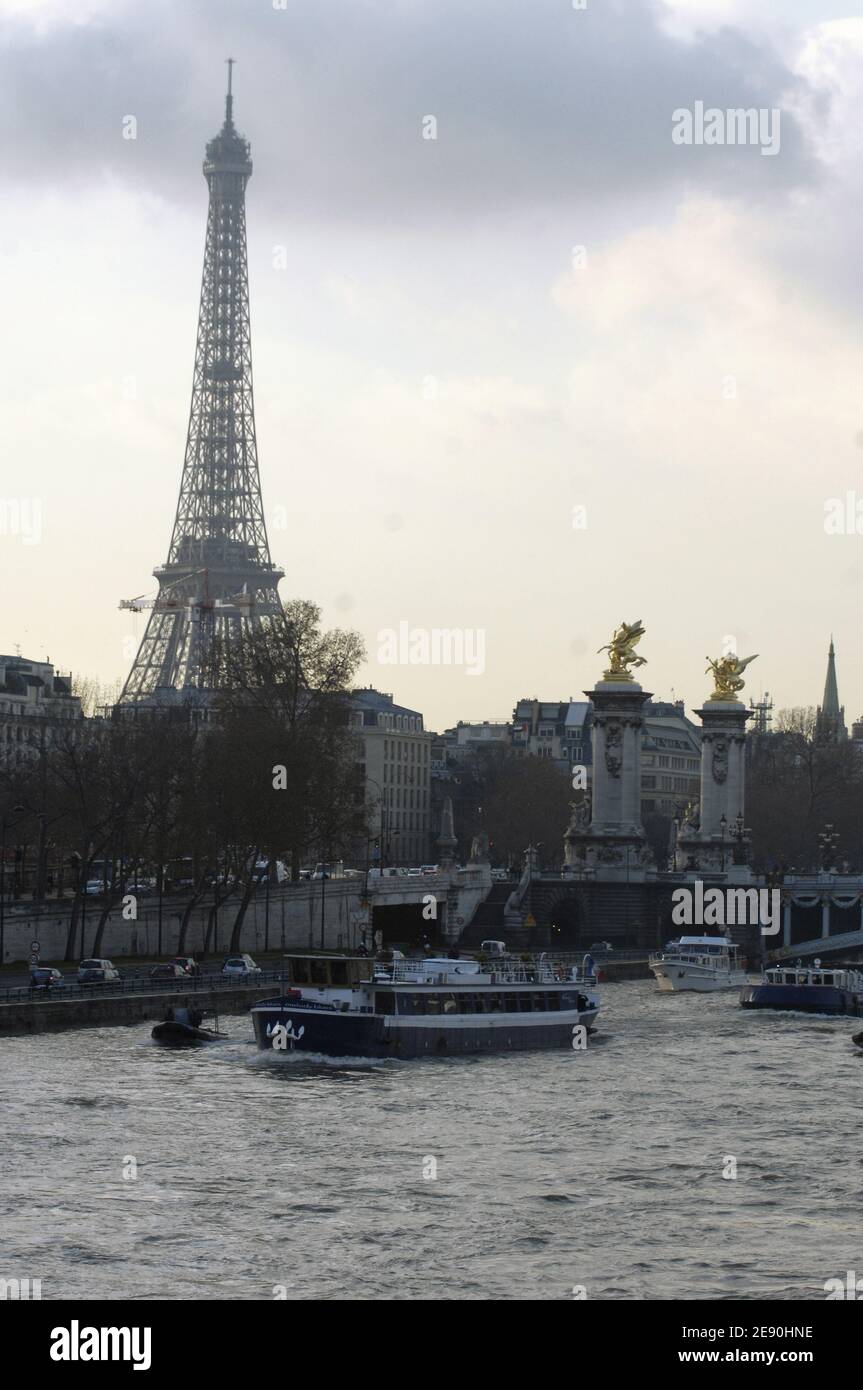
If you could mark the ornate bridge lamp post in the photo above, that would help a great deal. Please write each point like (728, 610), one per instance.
(739, 835)
(828, 841)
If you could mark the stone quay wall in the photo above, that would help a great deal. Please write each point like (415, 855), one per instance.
(299, 906)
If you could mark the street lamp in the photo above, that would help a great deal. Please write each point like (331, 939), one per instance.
(828, 840)
(738, 835)
(723, 826)
(383, 830)
(323, 901)
(530, 851)
(267, 907)
(4, 826)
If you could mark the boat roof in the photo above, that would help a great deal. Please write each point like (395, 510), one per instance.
(705, 941)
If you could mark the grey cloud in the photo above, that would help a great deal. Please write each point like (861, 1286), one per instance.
(537, 104)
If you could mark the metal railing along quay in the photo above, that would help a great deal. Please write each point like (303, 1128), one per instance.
(141, 984)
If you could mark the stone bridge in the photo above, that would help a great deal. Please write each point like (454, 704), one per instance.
(821, 914)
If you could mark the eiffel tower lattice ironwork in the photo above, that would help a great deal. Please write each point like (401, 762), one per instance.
(218, 580)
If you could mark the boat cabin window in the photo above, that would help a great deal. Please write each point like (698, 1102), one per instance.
(467, 1003)
(385, 1001)
(326, 970)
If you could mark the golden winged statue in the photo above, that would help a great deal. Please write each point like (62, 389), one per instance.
(622, 651)
(726, 675)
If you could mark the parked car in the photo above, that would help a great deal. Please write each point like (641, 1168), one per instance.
(167, 970)
(94, 887)
(187, 964)
(46, 977)
(601, 946)
(241, 967)
(333, 869)
(97, 972)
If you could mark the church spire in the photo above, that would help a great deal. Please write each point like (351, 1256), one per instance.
(830, 703)
(830, 722)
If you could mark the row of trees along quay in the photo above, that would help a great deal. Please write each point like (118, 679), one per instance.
(140, 792)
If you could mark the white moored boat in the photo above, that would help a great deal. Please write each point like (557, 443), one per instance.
(703, 963)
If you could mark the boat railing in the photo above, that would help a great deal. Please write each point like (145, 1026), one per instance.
(200, 983)
(691, 957)
(545, 968)
(841, 979)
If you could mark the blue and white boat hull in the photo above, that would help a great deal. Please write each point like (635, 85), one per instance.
(810, 999)
(283, 1026)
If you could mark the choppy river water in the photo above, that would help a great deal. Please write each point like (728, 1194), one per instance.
(520, 1176)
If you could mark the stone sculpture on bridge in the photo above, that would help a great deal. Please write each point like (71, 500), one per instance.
(622, 653)
(726, 675)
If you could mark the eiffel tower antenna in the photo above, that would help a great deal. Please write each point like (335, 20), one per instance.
(218, 580)
(229, 100)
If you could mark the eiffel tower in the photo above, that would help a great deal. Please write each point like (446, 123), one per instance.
(218, 580)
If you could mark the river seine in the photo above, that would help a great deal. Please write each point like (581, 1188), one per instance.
(133, 1172)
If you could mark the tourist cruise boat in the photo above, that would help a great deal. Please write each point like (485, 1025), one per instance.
(703, 963)
(814, 989)
(351, 1006)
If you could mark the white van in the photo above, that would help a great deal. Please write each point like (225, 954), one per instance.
(95, 971)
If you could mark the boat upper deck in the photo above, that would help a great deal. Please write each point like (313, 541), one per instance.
(698, 950)
(840, 977)
(393, 969)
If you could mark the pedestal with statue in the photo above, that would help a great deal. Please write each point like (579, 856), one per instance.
(712, 837)
(605, 839)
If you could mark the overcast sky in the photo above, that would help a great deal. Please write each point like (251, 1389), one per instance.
(440, 378)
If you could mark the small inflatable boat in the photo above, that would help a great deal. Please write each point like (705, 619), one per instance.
(182, 1028)
(857, 1038)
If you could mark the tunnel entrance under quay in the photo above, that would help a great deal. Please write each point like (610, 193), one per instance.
(402, 925)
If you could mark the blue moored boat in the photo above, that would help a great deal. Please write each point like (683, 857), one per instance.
(814, 989)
